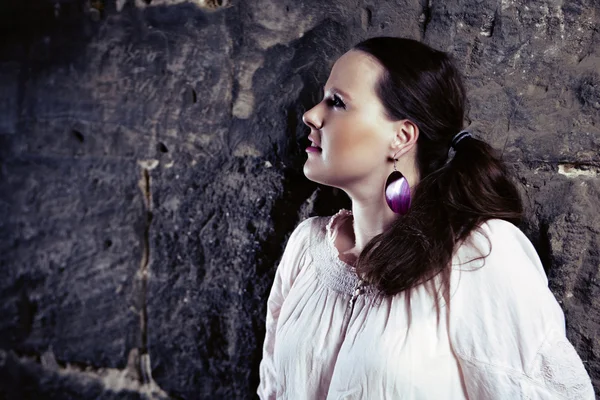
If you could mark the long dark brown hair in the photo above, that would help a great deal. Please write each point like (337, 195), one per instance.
(453, 197)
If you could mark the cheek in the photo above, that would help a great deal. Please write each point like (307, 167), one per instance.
(355, 141)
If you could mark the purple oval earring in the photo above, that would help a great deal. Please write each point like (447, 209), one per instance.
(397, 192)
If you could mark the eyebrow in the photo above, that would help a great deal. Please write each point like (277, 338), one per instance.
(336, 90)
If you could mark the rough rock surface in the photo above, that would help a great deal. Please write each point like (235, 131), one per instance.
(150, 172)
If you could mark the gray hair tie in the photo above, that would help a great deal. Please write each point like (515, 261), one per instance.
(458, 137)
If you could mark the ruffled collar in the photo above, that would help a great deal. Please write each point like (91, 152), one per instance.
(335, 273)
(331, 232)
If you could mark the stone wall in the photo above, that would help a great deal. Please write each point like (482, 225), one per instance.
(151, 159)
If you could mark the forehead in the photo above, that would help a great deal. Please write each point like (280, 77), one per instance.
(355, 73)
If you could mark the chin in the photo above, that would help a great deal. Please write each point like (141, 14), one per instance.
(311, 175)
(321, 179)
(308, 173)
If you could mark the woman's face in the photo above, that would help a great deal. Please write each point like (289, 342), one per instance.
(349, 127)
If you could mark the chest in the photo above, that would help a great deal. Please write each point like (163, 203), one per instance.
(344, 347)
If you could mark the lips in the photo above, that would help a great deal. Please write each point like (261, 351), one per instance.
(315, 144)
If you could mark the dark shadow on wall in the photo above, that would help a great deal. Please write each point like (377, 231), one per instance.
(45, 32)
(41, 36)
(302, 69)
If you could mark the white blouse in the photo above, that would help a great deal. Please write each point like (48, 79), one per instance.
(501, 337)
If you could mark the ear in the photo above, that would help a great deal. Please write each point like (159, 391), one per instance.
(405, 138)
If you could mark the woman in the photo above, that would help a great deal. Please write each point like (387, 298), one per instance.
(426, 289)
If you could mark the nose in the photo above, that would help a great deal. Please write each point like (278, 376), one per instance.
(313, 119)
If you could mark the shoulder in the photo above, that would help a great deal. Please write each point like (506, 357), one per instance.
(308, 228)
(500, 252)
(504, 234)
(298, 252)
(306, 235)
(498, 264)
(501, 307)
(505, 325)
(314, 229)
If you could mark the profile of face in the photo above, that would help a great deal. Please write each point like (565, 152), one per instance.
(353, 141)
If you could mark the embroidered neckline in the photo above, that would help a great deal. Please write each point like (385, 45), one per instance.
(343, 213)
(333, 272)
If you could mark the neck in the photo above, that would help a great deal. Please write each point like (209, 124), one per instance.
(370, 219)
(369, 208)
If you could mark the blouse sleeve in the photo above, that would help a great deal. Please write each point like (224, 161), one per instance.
(288, 269)
(506, 327)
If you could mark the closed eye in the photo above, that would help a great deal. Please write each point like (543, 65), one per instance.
(335, 101)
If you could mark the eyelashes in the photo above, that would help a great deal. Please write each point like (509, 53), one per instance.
(336, 102)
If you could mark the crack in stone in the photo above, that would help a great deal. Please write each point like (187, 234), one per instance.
(487, 29)
(144, 363)
(366, 18)
(145, 187)
(425, 17)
